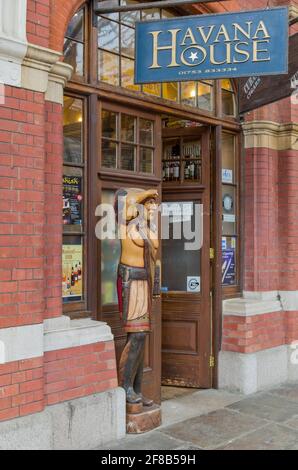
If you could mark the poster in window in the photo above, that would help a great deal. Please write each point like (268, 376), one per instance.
(228, 267)
(72, 200)
(72, 272)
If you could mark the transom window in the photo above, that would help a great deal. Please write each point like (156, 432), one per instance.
(115, 43)
(127, 142)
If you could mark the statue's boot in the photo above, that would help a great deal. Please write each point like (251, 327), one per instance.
(128, 366)
(139, 379)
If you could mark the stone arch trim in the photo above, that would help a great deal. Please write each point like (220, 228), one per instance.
(61, 14)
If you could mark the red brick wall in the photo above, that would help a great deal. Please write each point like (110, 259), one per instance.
(21, 388)
(261, 220)
(22, 141)
(77, 372)
(26, 387)
(288, 219)
(38, 22)
(291, 319)
(259, 332)
(253, 333)
(53, 198)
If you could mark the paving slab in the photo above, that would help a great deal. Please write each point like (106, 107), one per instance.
(270, 437)
(198, 403)
(289, 391)
(151, 441)
(214, 429)
(216, 419)
(292, 423)
(267, 406)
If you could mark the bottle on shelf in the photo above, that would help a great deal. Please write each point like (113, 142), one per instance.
(186, 168)
(171, 171)
(196, 170)
(167, 172)
(192, 169)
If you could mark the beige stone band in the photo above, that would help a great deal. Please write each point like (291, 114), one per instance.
(271, 135)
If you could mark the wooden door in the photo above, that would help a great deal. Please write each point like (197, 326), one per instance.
(109, 181)
(186, 315)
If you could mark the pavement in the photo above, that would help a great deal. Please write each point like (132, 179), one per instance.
(216, 419)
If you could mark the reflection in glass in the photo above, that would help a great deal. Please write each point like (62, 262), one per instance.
(127, 41)
(146, 160)
(108, 4)
(204, 96)
(73, 130)
(127, 74)
(188, 93)
(226, 84)
(228, 103)
(109, 154)
(109, 124)
(127, 157)
(75, 28)
(187, 262)
(110, 255)
(146, 132)
(152, 14)
(170, 91)
(108, 67)
(74, 56)
(152, 89)
(129, 17)
(108, 34)
(128, 124)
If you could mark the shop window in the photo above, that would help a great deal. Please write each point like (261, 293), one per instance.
(228, 98)
(205, 95)
(230, 211)
(73, 249)
(115, 61)
(110, 254)
(187, 262)
(127, 142)
(74, 44)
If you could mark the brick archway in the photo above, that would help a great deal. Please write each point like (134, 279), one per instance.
(61, 13)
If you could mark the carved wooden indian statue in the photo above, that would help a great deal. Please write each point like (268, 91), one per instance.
(138, 281)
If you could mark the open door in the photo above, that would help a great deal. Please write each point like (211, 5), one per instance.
(130, 140)
(186, 309)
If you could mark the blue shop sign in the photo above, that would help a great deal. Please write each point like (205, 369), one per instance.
(212, 46)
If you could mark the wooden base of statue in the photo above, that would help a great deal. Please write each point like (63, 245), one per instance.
(140, 419)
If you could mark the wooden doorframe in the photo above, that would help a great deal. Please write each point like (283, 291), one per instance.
(216, 237)
(196, 192)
